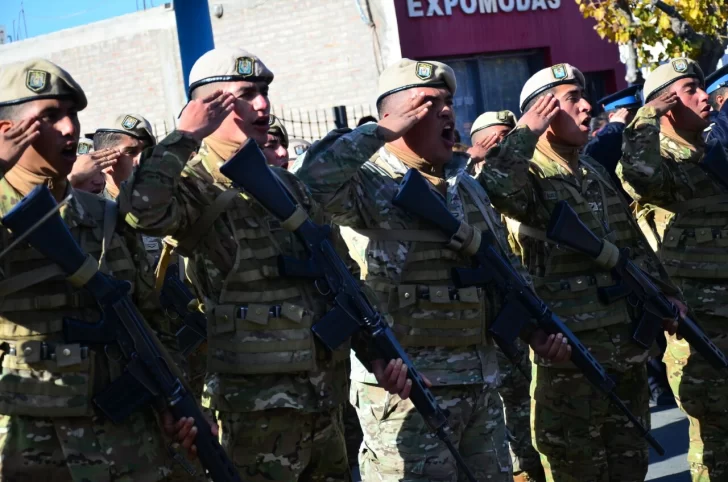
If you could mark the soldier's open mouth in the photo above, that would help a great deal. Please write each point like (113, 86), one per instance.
(68, 153)
(448, 134)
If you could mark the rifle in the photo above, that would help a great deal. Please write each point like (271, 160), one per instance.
(567, 229)
(714, 162)
(175, 298)
(520, 303)
(352, 312)
(149, 375)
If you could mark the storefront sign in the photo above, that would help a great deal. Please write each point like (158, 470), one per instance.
(442, 8)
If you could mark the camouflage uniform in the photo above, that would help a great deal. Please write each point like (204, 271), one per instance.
(49, 429)
(442, 329)
(267, 375)
(683, 212)
(580, 436)
(513, 388)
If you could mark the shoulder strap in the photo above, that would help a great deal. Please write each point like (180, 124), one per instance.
(473, 192)
(27, 279)
(517, 228)
(164, 259)
(188, 242)
(430, 236)
(111, 216)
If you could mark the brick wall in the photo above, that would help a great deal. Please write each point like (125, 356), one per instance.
(321, 52)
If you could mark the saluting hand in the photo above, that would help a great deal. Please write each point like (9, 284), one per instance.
(664, 103)
(14, 141)
(620, 116)
(539, 117)
(396, 123)
(88, 165)
(202, 117)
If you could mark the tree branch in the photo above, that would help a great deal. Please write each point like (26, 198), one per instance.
(679, 25)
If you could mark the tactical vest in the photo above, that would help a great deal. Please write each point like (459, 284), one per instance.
(567, 281)
(41, 374)
(425, 307)
(262, 322)
(691, 236)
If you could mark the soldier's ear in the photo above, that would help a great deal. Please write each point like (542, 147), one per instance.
(5, 125)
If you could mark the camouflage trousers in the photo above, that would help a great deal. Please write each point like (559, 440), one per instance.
(513, 388)
(581, 437)
(702, 393)
(399, 446)
(42, 449)
(286, 445)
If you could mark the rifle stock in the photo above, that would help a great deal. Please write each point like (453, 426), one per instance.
(655, 305)
(519, 300)
(352, 312)
(149, 373)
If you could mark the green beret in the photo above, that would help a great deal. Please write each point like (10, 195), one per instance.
(130, 124)
(667, 74)
(548, 78)
(37, 79)
(501, 118)
(408, 74)
(228, 65)
(297, 147)
(276, 128)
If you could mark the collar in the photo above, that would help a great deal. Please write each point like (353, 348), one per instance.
(214, 152)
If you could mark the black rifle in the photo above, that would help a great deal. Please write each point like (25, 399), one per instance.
(175, 298)
(567, 229)
(149, 375)
(714, 162)
(520, 303)
(352, 312)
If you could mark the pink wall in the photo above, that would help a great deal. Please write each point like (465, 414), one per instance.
(561, 32)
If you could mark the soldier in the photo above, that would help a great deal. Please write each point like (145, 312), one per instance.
(488, 130)
(355, 174)
(580, 436)
(717, 88)
(277, 392)
(682, 213)
(276, 146)
(50, 429)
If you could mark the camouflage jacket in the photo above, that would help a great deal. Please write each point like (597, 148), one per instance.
(682, 209)
(165, 197)
(357, 193)
(525, 185)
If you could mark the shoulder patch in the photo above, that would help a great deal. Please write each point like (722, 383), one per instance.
(36, 80)
(423, 70)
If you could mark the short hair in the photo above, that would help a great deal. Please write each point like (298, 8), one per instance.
(713, 96)
(107, 140)
(206, 89)
(658, 92)
(532, 102)
(12, 112)
(365, 119)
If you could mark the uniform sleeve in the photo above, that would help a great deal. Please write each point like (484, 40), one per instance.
(330, 166)
(151, 201)
(506, 173)
(719, 131)
(642, 169)
(606, 146)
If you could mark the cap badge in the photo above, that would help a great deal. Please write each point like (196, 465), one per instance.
(129, 122)
(424, 70)
(83, 148)
(503, 116)
(36, 80)
(680, 65)
(300, 149)
(244, 66)
(559, 71)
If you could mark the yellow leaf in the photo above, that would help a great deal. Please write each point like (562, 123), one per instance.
(664, 22)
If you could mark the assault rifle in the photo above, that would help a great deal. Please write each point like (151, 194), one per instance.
(149, 375)
(520, 302)
(352, 312)
(567, 229)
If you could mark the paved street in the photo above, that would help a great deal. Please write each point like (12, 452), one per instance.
(670, 428)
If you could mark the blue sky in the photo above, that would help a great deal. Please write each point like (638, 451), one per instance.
(45, 16)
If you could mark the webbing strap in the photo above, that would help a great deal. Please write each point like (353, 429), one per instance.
(162, 264)
(517, 228)
(430, 236)
(684, 206)
(27, 279)
(111, 215)
(200, 227)
(83, 274)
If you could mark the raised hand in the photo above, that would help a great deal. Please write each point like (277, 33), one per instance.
(396, 124)
(89, 165)
(539, 117)
(664, 103)
(14, 141)
(202, 117)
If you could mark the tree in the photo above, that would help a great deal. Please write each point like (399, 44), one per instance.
(693, 28)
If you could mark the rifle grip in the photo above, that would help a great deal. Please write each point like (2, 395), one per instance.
(122, 397)
(647, 328)
(335, 327)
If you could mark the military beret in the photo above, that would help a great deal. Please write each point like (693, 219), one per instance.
(629, 98)
(130, 124)
(37, 79)
(548, 78)
(669, 73)
(717, 79)
(296, 147)
(408, 74)
(501, 118)
(228, 65)
(276, 128)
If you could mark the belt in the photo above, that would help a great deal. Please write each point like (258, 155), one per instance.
(242, 312)
(43, 351)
